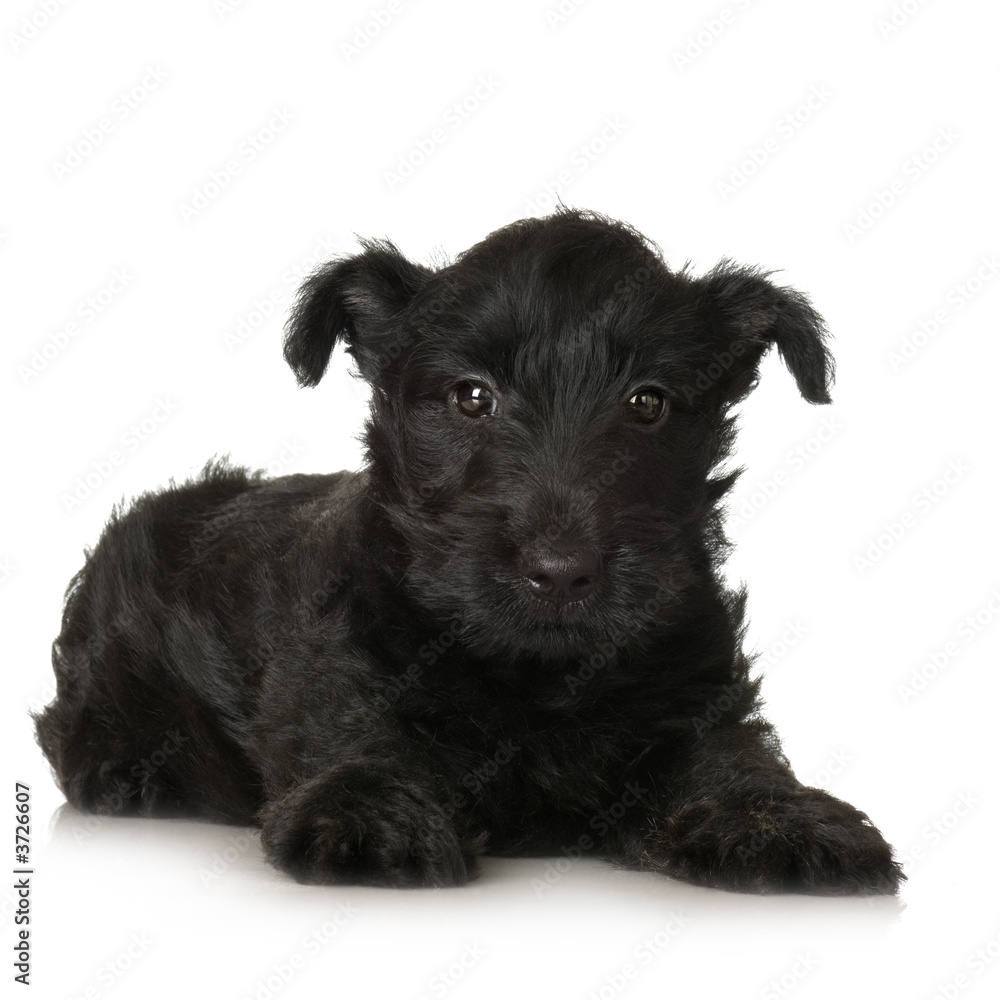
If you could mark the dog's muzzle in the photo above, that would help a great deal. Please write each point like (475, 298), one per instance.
(559, 576)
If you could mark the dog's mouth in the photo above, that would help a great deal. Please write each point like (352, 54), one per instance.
(559, 617)
(557, 639)
(551, 628)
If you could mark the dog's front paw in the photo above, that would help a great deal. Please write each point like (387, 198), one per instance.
(806, 842)
(366, 827)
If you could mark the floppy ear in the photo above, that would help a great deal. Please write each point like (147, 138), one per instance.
(355, 299)
(751, 314)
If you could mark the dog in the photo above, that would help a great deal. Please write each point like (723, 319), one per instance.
(508, 633)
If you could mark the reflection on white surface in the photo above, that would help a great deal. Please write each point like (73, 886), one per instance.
(150, 908)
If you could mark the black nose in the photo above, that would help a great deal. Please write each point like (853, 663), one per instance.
(560, 577)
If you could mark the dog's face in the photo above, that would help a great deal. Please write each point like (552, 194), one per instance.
(546, 414)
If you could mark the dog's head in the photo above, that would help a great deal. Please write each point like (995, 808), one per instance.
(547, 411)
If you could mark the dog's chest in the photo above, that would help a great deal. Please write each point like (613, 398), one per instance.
(506, 751)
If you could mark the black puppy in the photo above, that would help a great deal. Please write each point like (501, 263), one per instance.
(507, 634)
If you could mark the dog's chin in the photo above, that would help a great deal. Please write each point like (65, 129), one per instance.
(540, 631)
(550, 643)
(555, 641)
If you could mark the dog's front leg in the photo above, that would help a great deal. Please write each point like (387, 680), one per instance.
(374, 818)
(726, 811)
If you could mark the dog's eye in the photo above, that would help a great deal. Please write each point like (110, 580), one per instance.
(647, 406)
(473, 400)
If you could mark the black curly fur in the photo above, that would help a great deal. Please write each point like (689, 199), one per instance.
(369, 665)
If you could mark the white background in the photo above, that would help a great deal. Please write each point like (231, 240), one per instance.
(900, 142)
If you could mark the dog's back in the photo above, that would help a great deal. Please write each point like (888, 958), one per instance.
(155, 688)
